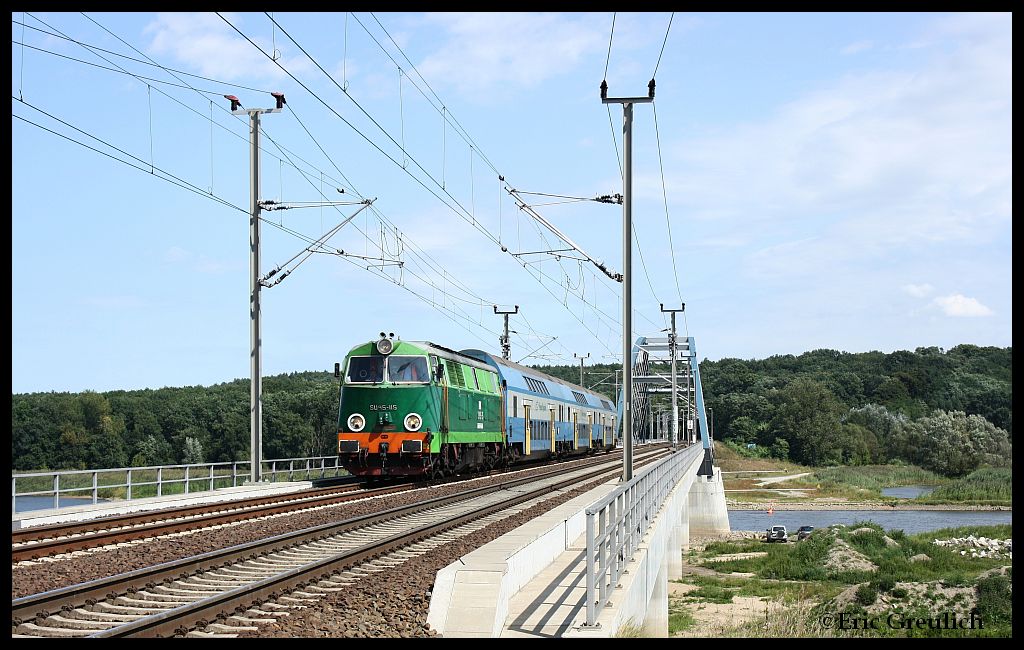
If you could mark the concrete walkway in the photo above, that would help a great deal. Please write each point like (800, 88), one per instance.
(555, 601)
(111, 508)
(527, 582)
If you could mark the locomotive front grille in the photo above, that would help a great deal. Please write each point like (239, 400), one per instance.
(348, 446)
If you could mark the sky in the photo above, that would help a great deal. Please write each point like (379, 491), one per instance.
(801, 181)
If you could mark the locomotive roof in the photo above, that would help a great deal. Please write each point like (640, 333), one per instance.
(443, 352)
(430, 348)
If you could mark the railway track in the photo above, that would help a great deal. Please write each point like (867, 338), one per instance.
(234, 589)
(38, 542)
(43, 541)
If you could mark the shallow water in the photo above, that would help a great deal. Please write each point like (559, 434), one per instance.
(910, 521)
(907, 491)
(25, 504)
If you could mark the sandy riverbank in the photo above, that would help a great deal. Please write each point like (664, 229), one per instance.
(851, 505)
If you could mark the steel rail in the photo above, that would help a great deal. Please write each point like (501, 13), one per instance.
(165, 525)
(41, 541)
(44, 604)
(181, 620)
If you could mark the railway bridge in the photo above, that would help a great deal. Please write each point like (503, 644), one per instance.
(591, 566)
(601, 561)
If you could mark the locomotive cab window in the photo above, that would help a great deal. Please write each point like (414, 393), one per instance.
(409, 370)
(365, 370)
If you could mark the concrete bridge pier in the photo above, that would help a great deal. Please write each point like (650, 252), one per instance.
(656, 622)
(675, 545)
(708, 514)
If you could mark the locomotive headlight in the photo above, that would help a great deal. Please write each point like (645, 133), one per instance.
(385, 346)
(356, 422)
(413, 422)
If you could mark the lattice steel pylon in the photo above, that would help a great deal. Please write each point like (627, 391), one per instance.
(652, 376)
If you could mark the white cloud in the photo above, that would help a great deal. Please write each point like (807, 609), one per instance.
(885, 160)
(918, 290)
(859, 46)
(206, 43)
(958, 305)
(176, 254)
(500, 52)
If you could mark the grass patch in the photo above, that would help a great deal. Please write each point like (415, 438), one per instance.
(876, 477)
(998, 531)
(679, 617)
(995, 600)
(776, 590)
(805, 561)
(989, 485)
(791, 578)
(732, 458)
(994, 608)
(727, 548)
(800, 620)
(711, 594)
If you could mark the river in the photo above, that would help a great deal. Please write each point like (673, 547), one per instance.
(910, 521)
(907, 491)
(28, 503)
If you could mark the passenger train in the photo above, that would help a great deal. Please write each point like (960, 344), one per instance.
(415, 408)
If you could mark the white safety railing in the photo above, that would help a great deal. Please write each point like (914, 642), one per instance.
(90, 485)
(617, 523)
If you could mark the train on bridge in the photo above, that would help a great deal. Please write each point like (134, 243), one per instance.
(415, 408)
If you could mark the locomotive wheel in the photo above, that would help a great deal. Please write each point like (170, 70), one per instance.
(450, 461)
(434, 470)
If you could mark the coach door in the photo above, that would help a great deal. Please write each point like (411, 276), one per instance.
(551, 427)
(575, 430)
(526, 425)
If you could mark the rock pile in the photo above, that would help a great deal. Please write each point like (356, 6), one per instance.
(979, 546)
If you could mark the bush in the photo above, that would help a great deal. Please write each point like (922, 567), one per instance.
(883, 584)
(866, 595)
(995, 600)
(898, 592)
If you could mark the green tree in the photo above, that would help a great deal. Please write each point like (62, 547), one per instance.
(192, 454)
(859, 445)
(955, 444)
(808, 419)
(779, 449)
(888, 428)
(153, 450)
(106, 446)
(742, 430)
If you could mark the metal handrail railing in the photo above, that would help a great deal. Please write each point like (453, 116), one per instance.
(617, 523)
(210, 476)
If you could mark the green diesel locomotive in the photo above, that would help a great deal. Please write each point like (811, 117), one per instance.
(417, 408)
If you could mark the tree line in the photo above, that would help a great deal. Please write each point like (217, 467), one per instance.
(167, 426)
(949, 411)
